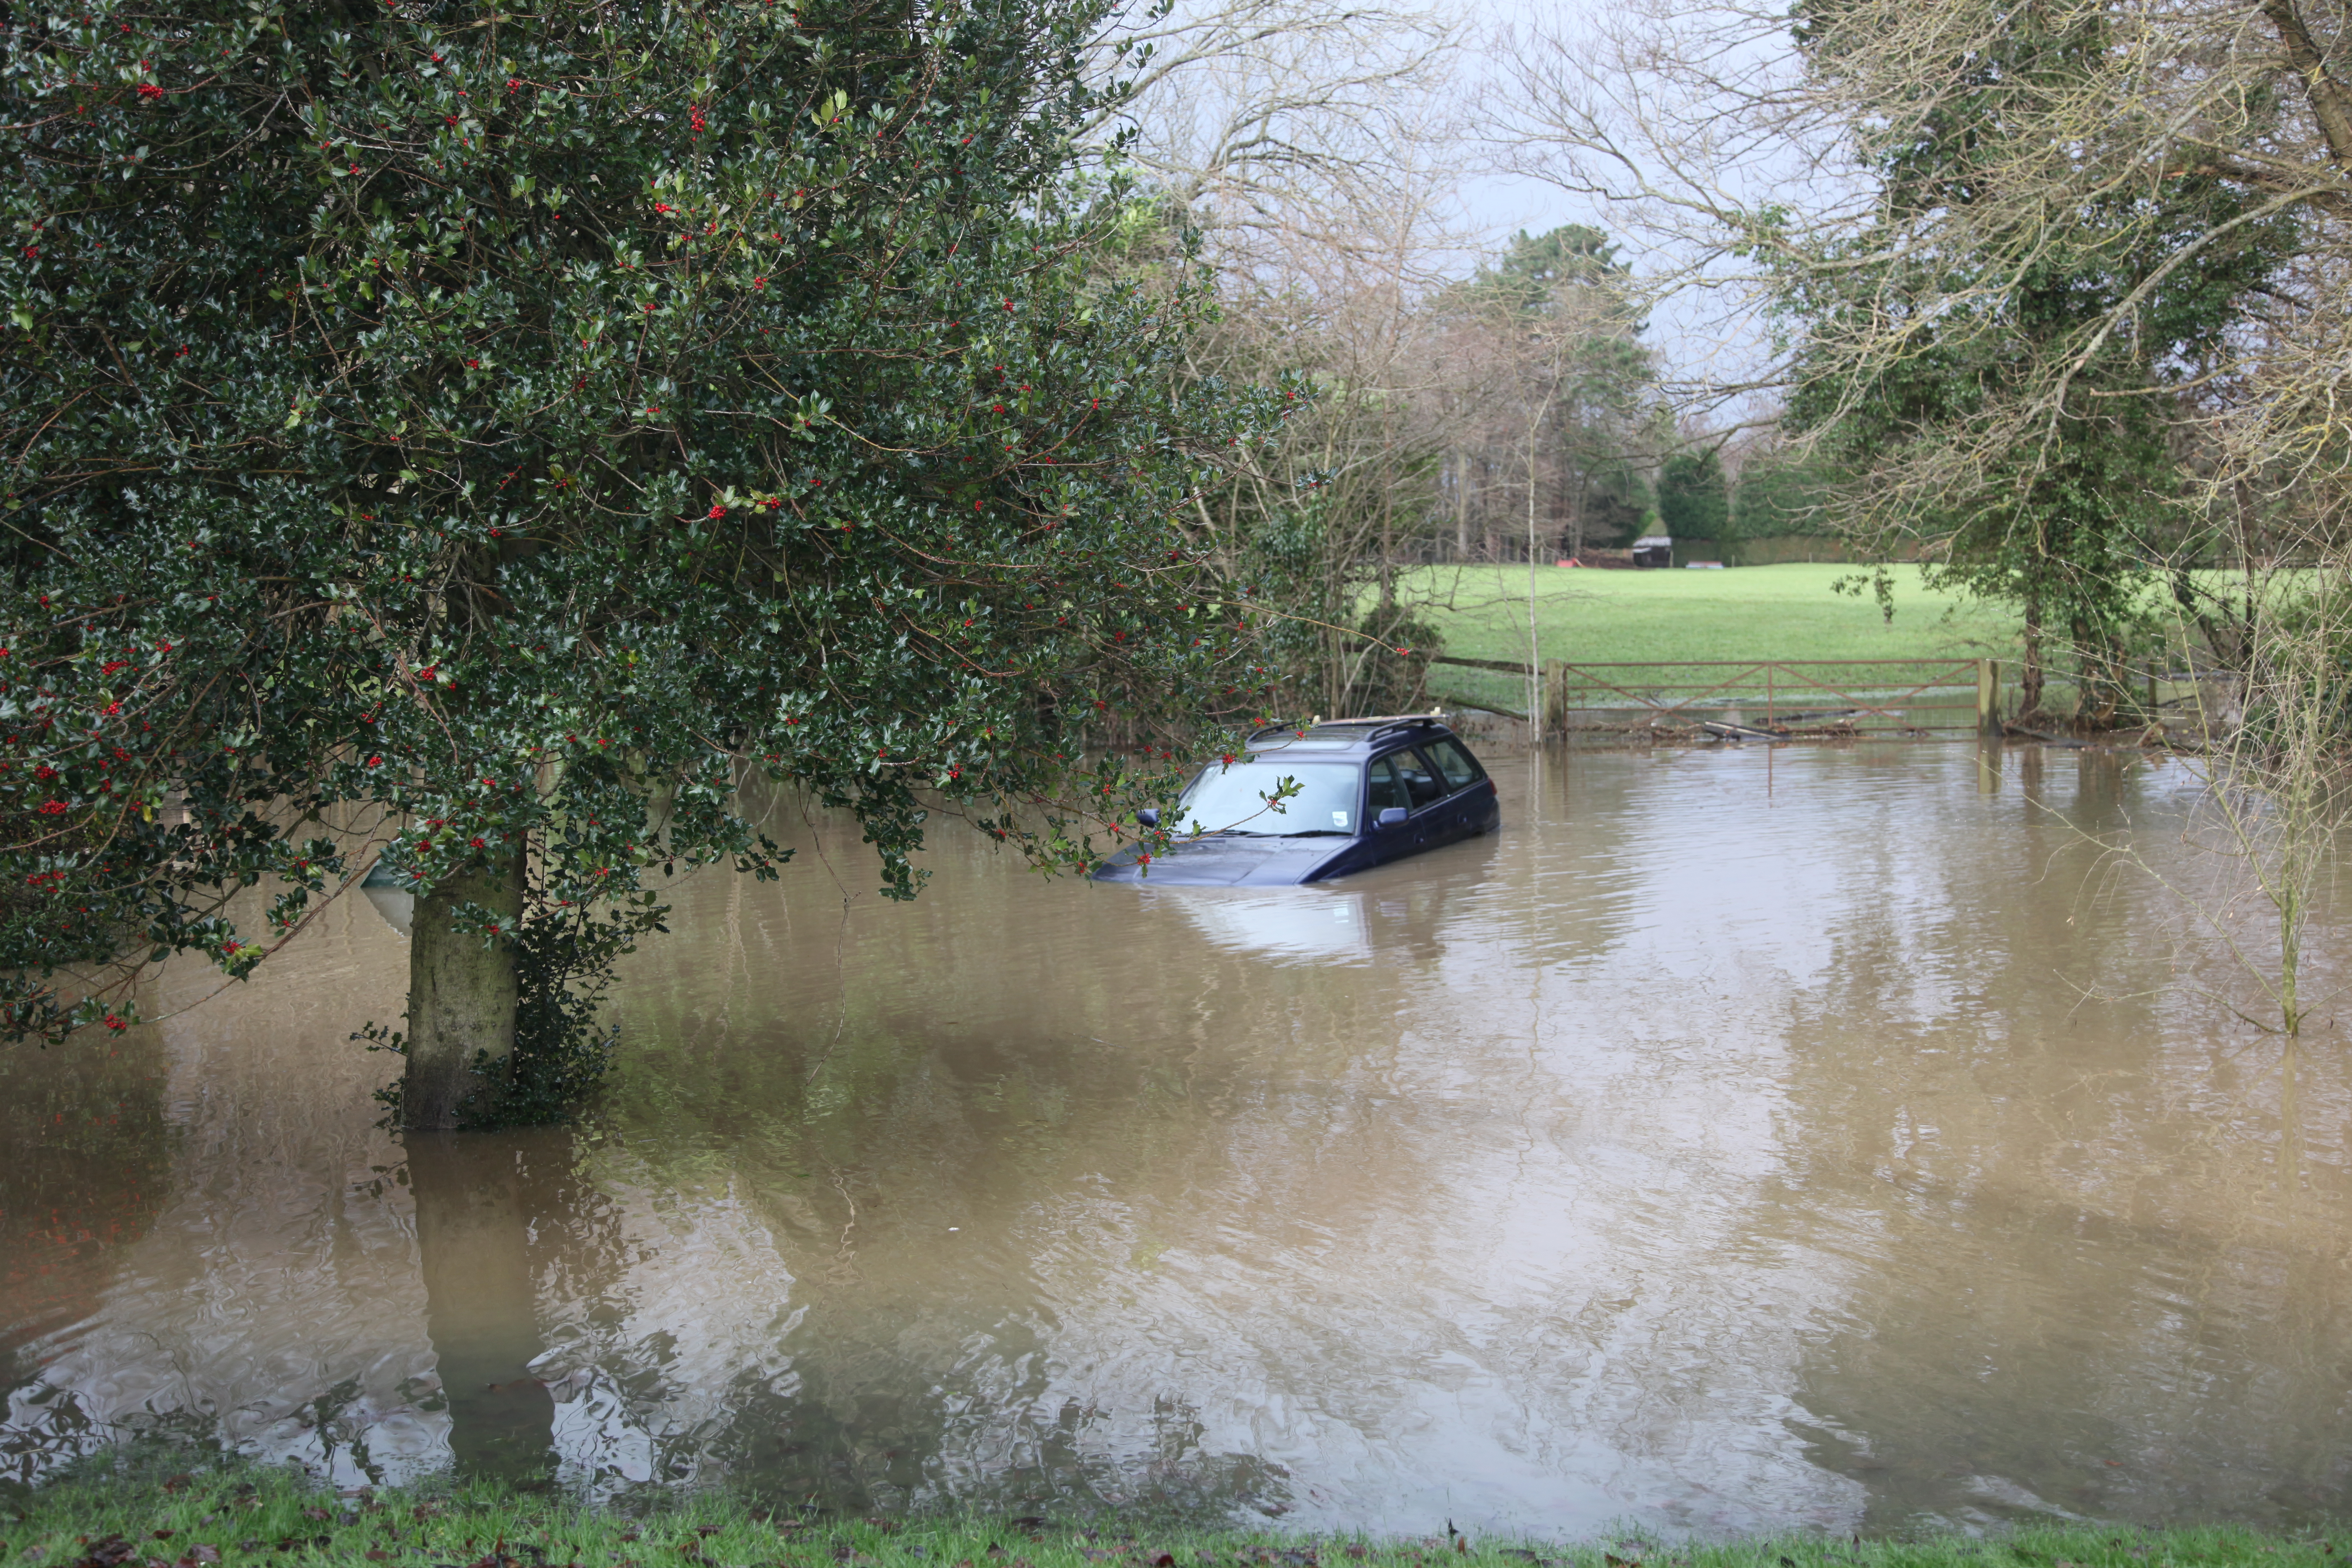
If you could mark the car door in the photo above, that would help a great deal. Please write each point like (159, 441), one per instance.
(1442, 818)
(1385, 787)
(1469, 805)
(1425, 793)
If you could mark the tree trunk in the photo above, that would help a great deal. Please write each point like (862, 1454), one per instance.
(1387, 614)
(462, 995)
(2028, 685)
(2102, 683)
(1489, 540)
(1462, 506)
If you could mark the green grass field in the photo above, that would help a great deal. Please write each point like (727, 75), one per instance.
(231, 1513)
(1745, 613)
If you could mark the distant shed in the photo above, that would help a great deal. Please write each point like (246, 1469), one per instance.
(1653, 550)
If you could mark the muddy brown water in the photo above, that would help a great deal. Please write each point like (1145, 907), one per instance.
(1816, 1138)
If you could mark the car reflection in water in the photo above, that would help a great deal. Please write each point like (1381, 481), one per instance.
(1369, 791)
(1335, 928)
(1395, 916)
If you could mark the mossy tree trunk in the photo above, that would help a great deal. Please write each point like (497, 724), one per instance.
(463, 994)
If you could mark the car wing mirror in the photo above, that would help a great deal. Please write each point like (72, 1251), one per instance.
(1390, 817)
(1149, 816)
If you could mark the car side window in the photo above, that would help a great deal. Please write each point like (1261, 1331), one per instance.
(1420, 781)
(1383, 789)
(1459, 769)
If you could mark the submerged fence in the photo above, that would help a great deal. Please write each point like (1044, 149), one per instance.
(1793, 698)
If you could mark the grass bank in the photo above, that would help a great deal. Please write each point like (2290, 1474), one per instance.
(1788, 612)
(110, 1517)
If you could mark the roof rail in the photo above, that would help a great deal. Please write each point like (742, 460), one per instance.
(1376, 724)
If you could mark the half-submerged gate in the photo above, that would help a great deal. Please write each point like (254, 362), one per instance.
(1796, 698)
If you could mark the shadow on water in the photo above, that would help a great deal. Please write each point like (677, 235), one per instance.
(88, 1153)
(90, 1158)
(1822, 1139)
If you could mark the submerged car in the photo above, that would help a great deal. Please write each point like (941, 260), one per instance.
(1369, 791)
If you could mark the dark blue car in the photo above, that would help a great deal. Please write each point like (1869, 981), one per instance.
(1369, 791)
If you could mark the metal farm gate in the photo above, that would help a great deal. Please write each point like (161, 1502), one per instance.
(1800, 698)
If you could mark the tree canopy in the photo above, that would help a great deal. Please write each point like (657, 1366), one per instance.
(492, 436)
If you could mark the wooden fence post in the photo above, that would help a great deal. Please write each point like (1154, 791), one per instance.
(1555, 698)
(1988, 696)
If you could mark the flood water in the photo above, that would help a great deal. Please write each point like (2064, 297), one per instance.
(1817, 1139)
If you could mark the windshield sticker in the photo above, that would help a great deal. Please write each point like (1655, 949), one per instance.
(1338, 819)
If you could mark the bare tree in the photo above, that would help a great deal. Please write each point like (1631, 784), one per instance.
(1265, 116)
(2190, 162)
(1295, 143)
(1315, 156)
(1343, 508)
(1758, 169)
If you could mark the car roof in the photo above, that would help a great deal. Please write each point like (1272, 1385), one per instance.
(1339, 738)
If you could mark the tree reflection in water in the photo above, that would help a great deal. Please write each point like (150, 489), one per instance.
(479, 1199)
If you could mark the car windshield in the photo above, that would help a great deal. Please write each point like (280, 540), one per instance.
(1234, 799)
